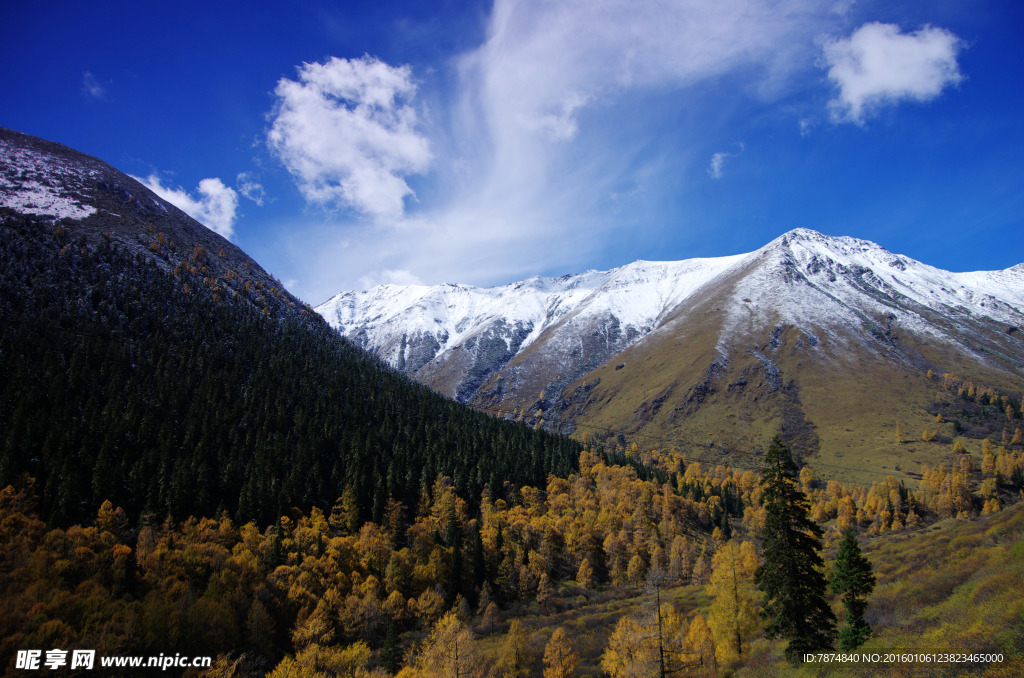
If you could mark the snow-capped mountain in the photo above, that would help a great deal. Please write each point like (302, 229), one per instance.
(420, 329)
(689, 349)
(816, 283)
(808, 279)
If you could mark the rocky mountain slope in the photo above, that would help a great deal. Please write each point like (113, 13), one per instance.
(709, 352)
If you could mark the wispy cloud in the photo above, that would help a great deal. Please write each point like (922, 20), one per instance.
(558, 111)
(544, 61)
(214, 207)
(250, 188)
(347, 131)
(92, 86)
(878, 65)
(400, 277)
(718, 161)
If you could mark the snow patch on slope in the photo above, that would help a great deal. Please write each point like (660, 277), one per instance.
(34, 183)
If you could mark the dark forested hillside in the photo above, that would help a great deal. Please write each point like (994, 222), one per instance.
(163, 392)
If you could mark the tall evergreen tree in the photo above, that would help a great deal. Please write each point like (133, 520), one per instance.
(854, 581)
(453, 538)
(790, 575)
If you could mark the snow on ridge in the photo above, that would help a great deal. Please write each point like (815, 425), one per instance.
(803, 278)
(637, 295)
(35, 198)
(32, 182)
(811, 280)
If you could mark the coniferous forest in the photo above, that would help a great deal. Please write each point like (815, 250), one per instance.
(123, 383)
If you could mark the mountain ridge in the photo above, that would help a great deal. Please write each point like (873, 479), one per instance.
(759, 333)
(452, 314)
(56, 184)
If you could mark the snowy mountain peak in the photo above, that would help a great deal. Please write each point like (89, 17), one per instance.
(803, 278)
(805, 243)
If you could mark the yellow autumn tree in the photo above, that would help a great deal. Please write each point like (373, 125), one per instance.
(700, 644)
(846, 513)
(319, 628)
(807, 480)
(559, 658)
(629, 651)
(651, 643)
(733, 613)
(514, 659)
(450, 651)
(585, 574)
(315, 661)
(988, 458)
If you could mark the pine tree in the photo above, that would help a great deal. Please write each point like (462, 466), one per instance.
(391, 653)
(854, 581)
(453, 538)
(790, 576)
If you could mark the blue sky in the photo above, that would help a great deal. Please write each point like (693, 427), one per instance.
(348, 144)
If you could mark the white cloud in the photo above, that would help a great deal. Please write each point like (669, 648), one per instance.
(92, 86)
(214, 208)
(718, 161)
(250, 188)
(879, 65)
(347, 132)
(559, 122)
(544, 61)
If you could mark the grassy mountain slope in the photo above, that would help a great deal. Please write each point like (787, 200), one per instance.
(852, 401)
(949, 588)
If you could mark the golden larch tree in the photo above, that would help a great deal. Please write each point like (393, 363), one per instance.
(559, 658)
(733, 614)
(449, 652)
(514, 658)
